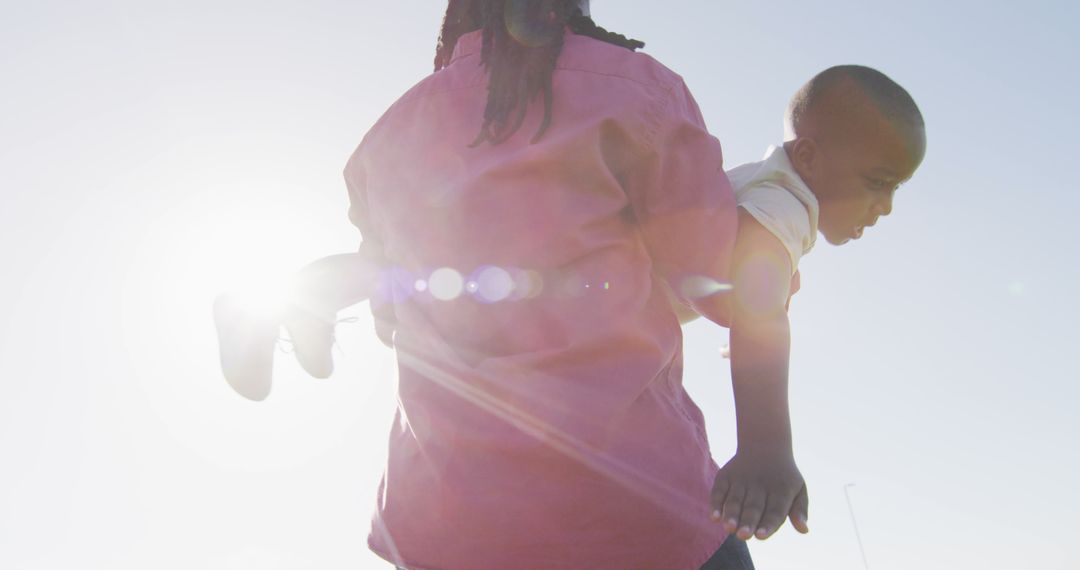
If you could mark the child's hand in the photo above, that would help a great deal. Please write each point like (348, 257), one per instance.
(754, 493)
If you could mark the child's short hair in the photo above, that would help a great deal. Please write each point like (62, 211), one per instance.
(892, 100)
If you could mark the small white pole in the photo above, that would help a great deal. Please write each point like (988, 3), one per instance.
(856, 525)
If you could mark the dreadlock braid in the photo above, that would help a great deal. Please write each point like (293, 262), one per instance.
(522, 40)
(585, 26)
(462, 16)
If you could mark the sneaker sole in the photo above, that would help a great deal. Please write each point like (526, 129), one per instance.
(246, 347)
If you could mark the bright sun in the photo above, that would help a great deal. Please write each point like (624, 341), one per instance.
(229, 238)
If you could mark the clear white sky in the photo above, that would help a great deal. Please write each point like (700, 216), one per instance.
(153, 153)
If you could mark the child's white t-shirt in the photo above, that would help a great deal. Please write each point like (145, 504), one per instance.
(772, 192)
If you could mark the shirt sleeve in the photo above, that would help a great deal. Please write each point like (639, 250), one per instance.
(356, 183)
(782, 214)
(682, 199)
(371, 247)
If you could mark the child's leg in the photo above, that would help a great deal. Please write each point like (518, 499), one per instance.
(317, 292)
(332, 283)
(248, 332)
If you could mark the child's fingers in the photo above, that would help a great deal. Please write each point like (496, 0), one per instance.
(799, 512)
(719, 491)
(752, 508)
(776, 510)
(732, 509)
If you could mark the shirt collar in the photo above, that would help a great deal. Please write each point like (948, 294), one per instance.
(470, 43)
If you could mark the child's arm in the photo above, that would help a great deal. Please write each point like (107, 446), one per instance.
(761, 485)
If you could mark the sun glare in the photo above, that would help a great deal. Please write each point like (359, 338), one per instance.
(247, 239)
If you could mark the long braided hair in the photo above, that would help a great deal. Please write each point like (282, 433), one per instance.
(522, 40)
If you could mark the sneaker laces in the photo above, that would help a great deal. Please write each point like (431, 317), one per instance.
(285, 345)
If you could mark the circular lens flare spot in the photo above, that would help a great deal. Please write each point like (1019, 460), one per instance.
(528, 284)
(524, 25)
(446, 284)
(494, 284)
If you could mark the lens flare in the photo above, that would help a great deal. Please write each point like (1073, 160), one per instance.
(494, 284)
(446, 284)
(456, 380)
(402, 284)
(525, 27)
(528, 284)
(761, 283)
(698, 286)
(572, 286)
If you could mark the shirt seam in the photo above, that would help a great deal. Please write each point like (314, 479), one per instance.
(652, 84)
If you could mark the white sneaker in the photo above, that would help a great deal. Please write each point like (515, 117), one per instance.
(312, 334)
(247, 339)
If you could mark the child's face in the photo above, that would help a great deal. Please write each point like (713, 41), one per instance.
(855, 179)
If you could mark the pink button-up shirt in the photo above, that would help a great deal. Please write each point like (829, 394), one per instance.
(542, 422)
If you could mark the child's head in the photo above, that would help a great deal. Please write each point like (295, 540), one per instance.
(854, 136)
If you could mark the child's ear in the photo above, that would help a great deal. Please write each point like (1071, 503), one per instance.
(805, 156)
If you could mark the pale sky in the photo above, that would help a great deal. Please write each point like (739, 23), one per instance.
(154, 153)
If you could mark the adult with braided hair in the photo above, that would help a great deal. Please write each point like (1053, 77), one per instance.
(521, 42)
(525, 212)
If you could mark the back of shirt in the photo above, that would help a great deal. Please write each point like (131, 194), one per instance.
(542, 421)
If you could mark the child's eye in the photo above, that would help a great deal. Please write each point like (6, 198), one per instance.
(877, 184)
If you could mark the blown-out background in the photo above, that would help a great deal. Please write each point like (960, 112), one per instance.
(153, 153)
